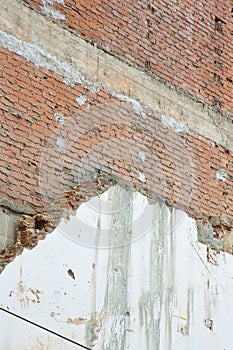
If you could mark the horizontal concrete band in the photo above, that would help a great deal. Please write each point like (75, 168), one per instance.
(48, 45)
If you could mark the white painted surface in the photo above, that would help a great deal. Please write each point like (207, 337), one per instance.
(153, 294)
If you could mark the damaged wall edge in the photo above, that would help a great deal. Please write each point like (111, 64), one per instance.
(32, 228)
(15, 208)
(216, 232)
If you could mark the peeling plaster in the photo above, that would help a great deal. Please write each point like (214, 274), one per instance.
(173, 124)
(59, 118)
(42, 58)
(141, 177)
(81, 100)
(142, 156)
(48, 9)
(221, 175)
(61, 145)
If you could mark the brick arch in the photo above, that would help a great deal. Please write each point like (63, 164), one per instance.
(113, 149)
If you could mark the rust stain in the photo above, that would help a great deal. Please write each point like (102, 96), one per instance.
(26, 296)
(76, 321)
(36, 293)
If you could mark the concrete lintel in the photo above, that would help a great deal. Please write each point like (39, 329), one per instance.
(47, 44)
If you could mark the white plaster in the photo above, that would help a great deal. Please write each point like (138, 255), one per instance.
(173, 124)
(60, 142)
(59, 118)
(48, 9)
(142, 156)
(81, 99)
(158, 292)
(141, 177)
(221, 175)
(40, 58)
(137, 106)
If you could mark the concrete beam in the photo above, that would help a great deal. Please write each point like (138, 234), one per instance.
(48, 45)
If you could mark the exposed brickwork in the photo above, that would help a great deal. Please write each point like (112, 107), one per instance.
(103, 134)
(188, 44)
(29, 231)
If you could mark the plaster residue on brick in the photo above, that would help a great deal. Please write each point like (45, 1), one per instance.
(142, 177)
(59, 118)
(221, 175)
(60, 142)
(138, 108)
(99, 70)
(173, 124)
(81, 99)
(142, 156)
(49, 10)
(41, 58)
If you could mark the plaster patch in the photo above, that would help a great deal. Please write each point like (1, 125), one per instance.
(221, 175)
(61, 145)
(50, 11)
(137, 106)
(173, 124)
(141, 177)
(142, 156)
(81, 100)
(59, 118)
(41, 58)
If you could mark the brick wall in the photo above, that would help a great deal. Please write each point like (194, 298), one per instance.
(187, 44)
(62, 136)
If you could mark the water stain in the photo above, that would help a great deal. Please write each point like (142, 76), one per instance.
(76, 321)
